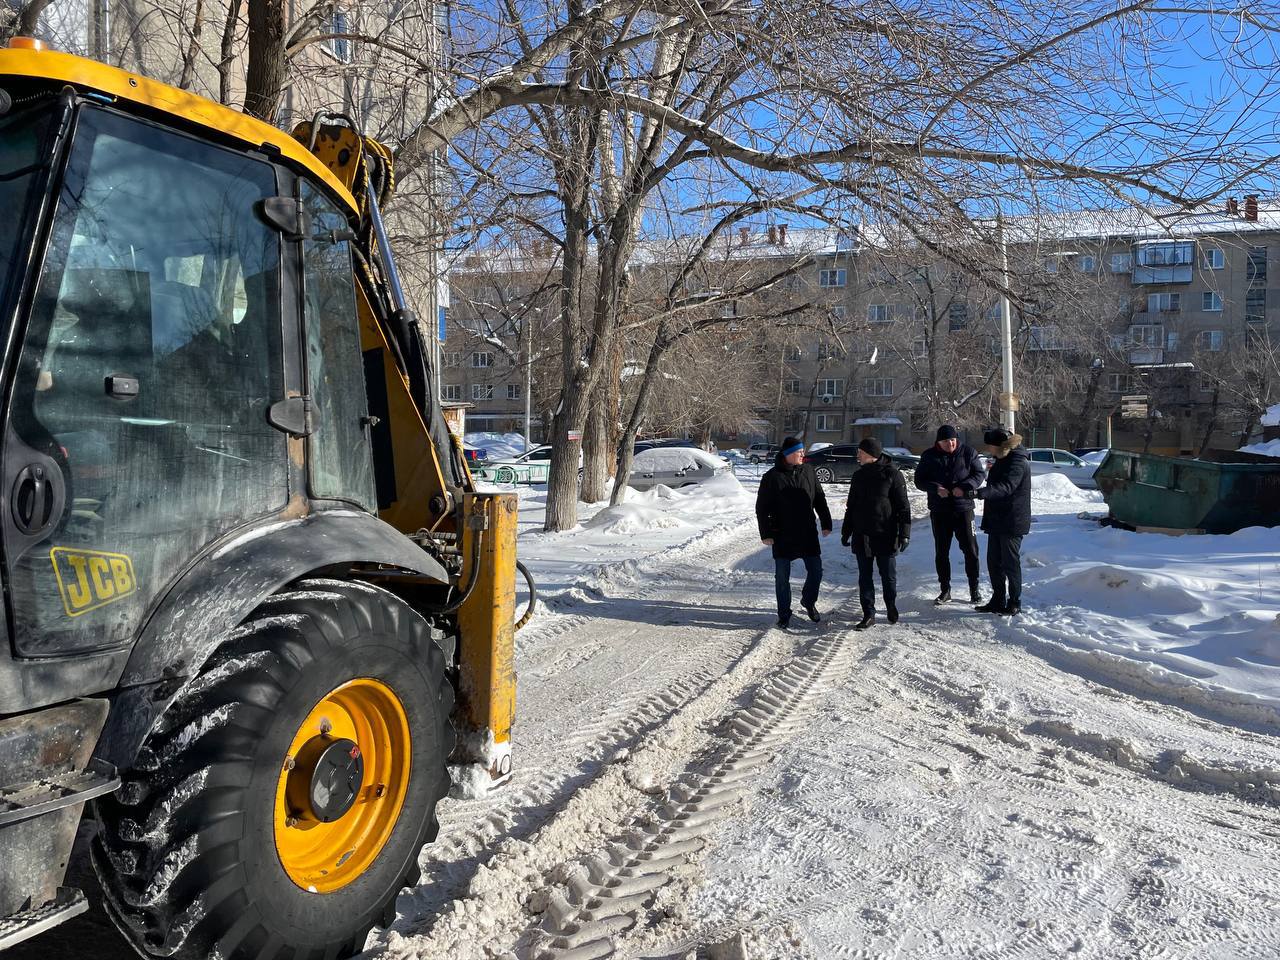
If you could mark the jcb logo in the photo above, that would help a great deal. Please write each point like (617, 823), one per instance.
(88, 579)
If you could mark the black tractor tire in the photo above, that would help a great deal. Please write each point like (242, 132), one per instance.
(186, 848)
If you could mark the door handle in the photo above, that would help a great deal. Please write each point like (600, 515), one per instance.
(33, 499)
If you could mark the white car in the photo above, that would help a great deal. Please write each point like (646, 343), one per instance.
(1048, 460)
(674, 467)
(533, 466)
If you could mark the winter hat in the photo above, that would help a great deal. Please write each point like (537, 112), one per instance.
(995, 437)
(871, 445)
(790, 445)
(946, 432)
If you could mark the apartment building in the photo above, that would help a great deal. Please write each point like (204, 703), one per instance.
(1142, 330)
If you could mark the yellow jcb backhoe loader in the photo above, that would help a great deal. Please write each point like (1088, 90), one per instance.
(250, 589)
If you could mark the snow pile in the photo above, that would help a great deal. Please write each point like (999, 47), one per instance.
(1272, 417)
(1269, 449)
(1095, 458)
(1056, 488)
(666, 459)
(499, 446)
(629, 518)
(1190, 619)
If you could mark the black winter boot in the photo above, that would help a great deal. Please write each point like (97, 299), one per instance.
(943, 597)
(1012, 608)
(975, 595)
(866, 621)
(892, 615)
(991, 606)
(812, 611)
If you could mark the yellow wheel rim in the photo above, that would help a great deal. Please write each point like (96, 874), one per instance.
(323, 857)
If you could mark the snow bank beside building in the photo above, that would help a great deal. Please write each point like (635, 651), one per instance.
(1055, 488)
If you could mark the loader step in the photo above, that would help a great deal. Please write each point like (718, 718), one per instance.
(22, 801)
(19, 926)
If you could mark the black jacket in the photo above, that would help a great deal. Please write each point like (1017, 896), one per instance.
(1007, 511)
(960, 469)
(877, 507)
(785, 506)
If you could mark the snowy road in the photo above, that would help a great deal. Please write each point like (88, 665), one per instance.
(692, 782)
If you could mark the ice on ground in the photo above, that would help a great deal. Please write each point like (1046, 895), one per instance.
(1056, 488)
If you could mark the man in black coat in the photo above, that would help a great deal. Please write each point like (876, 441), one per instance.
(789, 496)
(1006, 518)
(946, 466)
(877, 523)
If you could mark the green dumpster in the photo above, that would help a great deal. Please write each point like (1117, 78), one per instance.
(1175, 495)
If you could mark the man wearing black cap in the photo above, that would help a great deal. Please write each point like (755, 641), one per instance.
(877, 524)
(1006, 518)
(947, 466)
(789, 496)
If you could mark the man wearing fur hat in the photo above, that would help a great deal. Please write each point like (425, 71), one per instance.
(1006, 518)
(947, 465)
(789, 496)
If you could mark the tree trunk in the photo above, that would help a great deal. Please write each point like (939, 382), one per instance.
(265, 76)
(228, 52)
(1212, 424)
(595, 445)
(1086, 407)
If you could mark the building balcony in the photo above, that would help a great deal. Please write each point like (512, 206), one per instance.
(1141, 355)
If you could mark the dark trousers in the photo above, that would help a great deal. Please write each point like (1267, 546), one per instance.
(959, 524)
(888, 564)
(1004, 564)
(782, 581)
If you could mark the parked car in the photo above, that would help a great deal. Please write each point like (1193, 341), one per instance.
(663, 442)
(836, 463)
(474, 454)
(1046, 460)
(763, 452)
(675, 467)
(532, 466)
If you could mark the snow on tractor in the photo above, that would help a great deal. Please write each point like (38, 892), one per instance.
(251, 589)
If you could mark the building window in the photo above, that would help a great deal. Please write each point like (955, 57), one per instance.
(958, 316)
(482, 358)
(920, 348)
(879, 387)
(1211, 301)
(1255, 306)
(1147, 334)
(1207, 383)
(831, 278)
(1119, 382)
(482, 391)
(1171, 340)
(1048, 337)
(1122, 263)
(791, 386)
(878, 313)
(828, 351)
(792, 354)
(1256, 270)
(831, 387)
(1087, 264)
(513, 391)
(830, 423)
(453, 358)
(1210, 340)
(339, 47)
(453, 391)
(1164, 302)
(1213, 258)
(838, 312)
(1176, 254)
(1051, 265)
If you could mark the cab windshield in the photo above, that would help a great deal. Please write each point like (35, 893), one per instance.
(21, 159)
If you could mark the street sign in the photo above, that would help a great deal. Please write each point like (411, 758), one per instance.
(1009, 401)
(1134, 407)
(575, 435)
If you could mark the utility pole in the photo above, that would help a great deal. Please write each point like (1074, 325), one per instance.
(528, 380)
(1008, 400)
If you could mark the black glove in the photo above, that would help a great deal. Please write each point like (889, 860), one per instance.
(844, 539)
(903, 540)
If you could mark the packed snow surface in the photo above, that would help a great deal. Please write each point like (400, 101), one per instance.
(1097, 778)
(1269, 449)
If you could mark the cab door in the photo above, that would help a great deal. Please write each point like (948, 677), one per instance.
(136, 430)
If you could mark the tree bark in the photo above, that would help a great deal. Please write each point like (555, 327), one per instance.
(228, 52)
(265, 76)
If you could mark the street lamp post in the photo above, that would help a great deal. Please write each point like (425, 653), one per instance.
(1008, 402)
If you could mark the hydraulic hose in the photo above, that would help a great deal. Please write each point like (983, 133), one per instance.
(533, 595)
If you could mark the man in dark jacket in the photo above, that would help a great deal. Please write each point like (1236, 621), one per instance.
(1006, 518)
(789, 496)
(946, 466)
(877, 523)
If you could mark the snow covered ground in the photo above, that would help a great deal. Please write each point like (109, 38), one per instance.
(1099, 778)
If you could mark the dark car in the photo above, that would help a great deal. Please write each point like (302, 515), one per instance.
(663, 442)
(836, 464)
